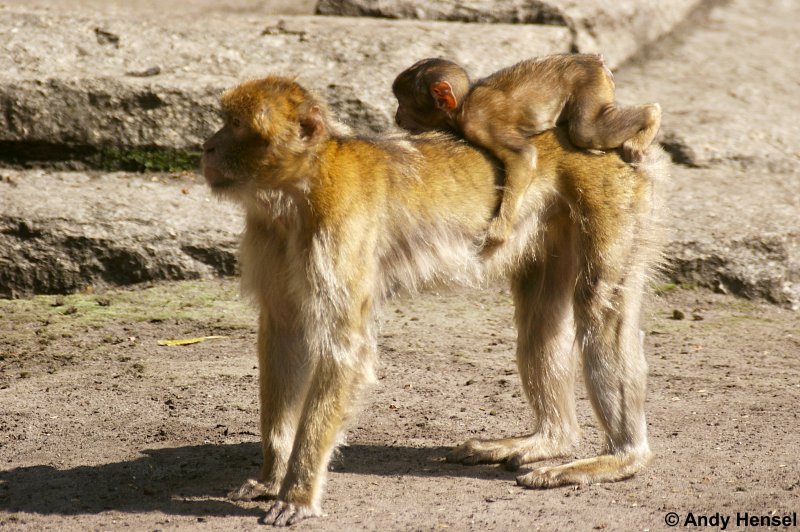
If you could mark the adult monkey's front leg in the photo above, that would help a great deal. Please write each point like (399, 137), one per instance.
(338, 333)
(283, 378)
(333, 386)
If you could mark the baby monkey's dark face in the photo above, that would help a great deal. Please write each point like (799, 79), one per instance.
(417, 109)
(418, 119)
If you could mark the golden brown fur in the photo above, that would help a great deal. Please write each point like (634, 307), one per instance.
(334, 224)
(501, 113)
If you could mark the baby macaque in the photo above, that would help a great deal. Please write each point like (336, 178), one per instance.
(501, 112)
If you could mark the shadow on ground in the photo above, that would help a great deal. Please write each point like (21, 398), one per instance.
(194, 480)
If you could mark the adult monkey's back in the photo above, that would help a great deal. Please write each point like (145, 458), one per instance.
(334, 223)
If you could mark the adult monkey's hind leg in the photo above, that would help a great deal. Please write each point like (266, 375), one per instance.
(615, 371)
(543, 293)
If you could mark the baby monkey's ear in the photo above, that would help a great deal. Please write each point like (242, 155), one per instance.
(443, 95)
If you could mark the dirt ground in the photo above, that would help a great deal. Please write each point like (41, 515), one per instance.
(101, 428)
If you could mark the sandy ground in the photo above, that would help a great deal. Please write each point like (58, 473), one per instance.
(102, 428)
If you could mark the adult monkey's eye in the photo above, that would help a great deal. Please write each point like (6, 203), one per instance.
(235, 122)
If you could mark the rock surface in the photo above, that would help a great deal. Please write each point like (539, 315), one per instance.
(726, 91)
(160, 10)
(75, 85)
(617, 29)
(60, 232)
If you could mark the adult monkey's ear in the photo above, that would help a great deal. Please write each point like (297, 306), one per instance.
(312, 124)
(442, 93)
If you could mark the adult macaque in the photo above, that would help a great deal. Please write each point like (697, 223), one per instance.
(501, 113)
(334, 223)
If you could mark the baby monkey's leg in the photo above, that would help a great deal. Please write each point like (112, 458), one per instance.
(519, 168)
(601, 124)
(634, 148)
(519, 158)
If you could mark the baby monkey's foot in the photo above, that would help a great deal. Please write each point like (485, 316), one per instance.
(496, 236)
(490, 247)
(632, 153)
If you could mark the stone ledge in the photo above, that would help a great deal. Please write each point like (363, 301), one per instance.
(60, 232)
(616, 29)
